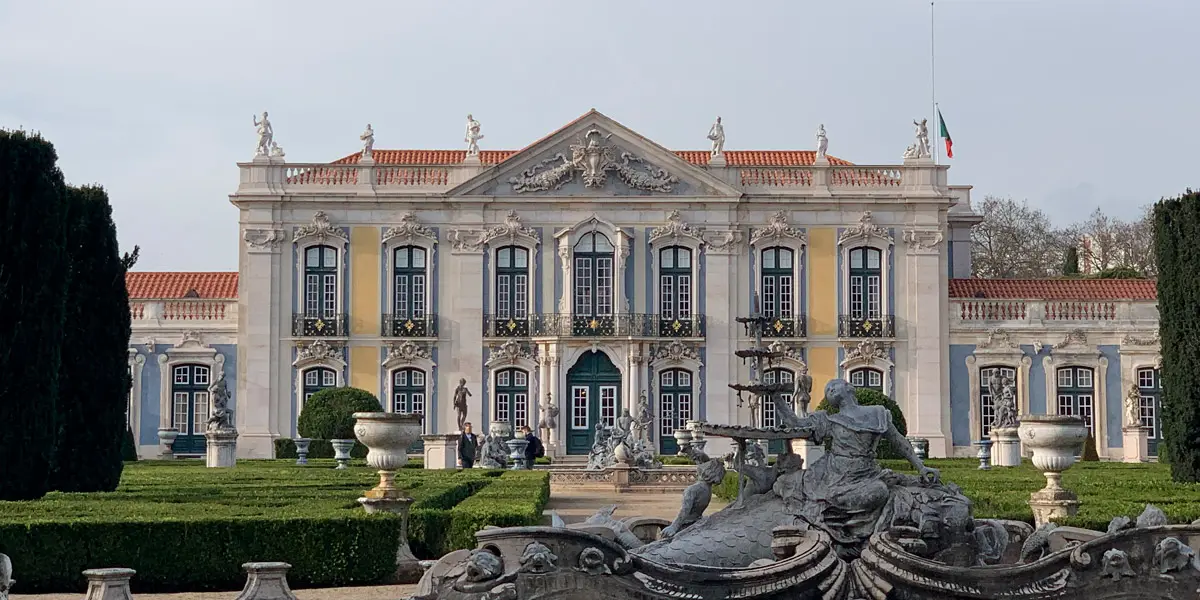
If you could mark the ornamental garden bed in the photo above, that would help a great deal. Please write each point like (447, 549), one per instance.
(184, 527)
(1106, 489)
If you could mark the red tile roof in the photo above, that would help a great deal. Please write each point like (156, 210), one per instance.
(734, 158)
(172, 285)
(1055, 289)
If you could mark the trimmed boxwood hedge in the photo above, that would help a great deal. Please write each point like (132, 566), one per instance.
(187, 528)
(286, 448)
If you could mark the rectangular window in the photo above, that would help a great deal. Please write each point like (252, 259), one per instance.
(418, 296)
(856, 297)
(504, 379)
(1146, 379)
(418, 403)
(768, 296)
(520, 409)
(579, 407)
(402, 295)
(1084, 378)
(502, 404)
(418, 378)
(685, 379)
(684, 295)
(666, 414)
(328, 378)
(583, 287)
(768, 413)
(330, 292)
(604, 286)
(311, 378)
(312, 295)
(520, 379)
(785, 296)
(873, 294)
(181, 412)
(1085, 411)
(1064, 378)
(201, 377)
(858, 378)
(1066, 405)
(1149, 416)
(181, 375)
(685, 408)
(200, 412)
(666, 293)
(521, 298)
(875, 378)
(608, 405)
(668, 379)
(400, 403)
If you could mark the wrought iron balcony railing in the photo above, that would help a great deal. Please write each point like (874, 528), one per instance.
(784, 327)
(883, 326)
(409, 327)
(681, 327)
(331, 325)
(502, 326)
(622, 325)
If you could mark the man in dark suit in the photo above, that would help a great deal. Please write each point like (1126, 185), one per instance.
(468, 446)
(534, 450)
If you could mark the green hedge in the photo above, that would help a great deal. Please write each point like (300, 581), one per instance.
(185, 527)
(286, 448)
(1106, 489)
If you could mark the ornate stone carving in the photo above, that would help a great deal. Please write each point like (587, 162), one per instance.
(466, 240)
(593, 159)
(191, 338)
(920, 147)
(1077, 337)
(538, 559)
(591, 561)
(473, 136)
(777, 229)
(865, 351)
(368, 140)
(822, 143)
(510, 230)
(1132, 340)
(674, 228)
(998, 339)
(509, 353)
(320, 228)
(1133, 407)
(276, 151)
(676, 350)
(409, 229)
(150, 345)
(716, 134)
(319, 351)
(788, 351)
(263, 239)
(865, 230)
(1172, 555)
(1116, 565)
(266, 135)
(406, 352)
(920, 240)
(723, 242)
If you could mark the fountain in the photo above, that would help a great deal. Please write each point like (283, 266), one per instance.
(839, 528)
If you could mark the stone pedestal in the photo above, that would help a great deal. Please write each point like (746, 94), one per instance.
(516, 447)
(108, 584)
(1135, 440)
(984, 454)
(408, 568)
(1006, 447)
(808, 450)
(221, 446)
(1052, 503)
(441, 451)
(266, 581)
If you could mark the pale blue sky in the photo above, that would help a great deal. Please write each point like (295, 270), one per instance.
(1071, 104)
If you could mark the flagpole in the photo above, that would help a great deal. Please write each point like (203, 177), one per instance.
(933, 81)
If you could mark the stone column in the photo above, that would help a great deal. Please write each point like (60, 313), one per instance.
(108, 584)
(261, 315)
(926, 309)
(266, 581)
(554, 386)
(462, 295)
(635, 377)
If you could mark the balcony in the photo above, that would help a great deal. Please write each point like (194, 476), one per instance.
(785, 327)
(409, 327)
(497, 326)
(623, 325)
(850, 326)
(681, 327)
(332, 325)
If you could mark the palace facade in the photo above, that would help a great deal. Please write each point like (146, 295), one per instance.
(568, 279)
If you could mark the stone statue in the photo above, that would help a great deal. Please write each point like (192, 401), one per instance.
(1133, 407)
(755, 456)
(696, 497)
(1005, 406)
(276, 151)
(922, 141)
(822, 142)
(717, 135)
(368, 140)
(624, 424)
(266, 135)
(551, 420)
(461, 393)
(644, 418)
(6, 580)
(600, 456)
(802, 396)
(473, 136)
(221, 418)
(495, 453)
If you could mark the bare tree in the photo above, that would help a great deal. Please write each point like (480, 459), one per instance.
(1015, 241)
(1107, 243)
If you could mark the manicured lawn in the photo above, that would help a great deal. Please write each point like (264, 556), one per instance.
(1106, 489)
(186, 527)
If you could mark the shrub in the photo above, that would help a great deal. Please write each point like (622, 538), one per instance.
(329, 414)
(33, 283)
(286, 448)
(128, 447)
(1176, 229)
(517, 500)
(868, 397)
(1089, 449)
(94, 378)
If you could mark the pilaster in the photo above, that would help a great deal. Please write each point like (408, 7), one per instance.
(721, 249)
(461, 303)
(925, 310)
(260, 412)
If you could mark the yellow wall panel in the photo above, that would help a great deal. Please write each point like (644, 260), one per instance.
(364, 280)
(822, 282)
(364, 368)
(823, 366)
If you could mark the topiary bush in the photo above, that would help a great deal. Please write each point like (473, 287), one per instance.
(128, 447)
(329, 414)
(1089, 449)
(868, 397)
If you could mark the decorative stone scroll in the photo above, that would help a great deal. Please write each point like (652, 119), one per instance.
(263, 239)
(406, 352)
(777, 229)
(509, 353)
(865, 230)
(1132, 340)
(408, 229)
(675, 228)
(318, 351)
(320, 228)
(997, 339)
(922, 240)
(593, 158)
(866, 351)
(676, 350)
(511, 230)
(466, 240)
(1076, 337)
(728, 241)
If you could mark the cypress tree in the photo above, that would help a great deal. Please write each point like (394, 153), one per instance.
(94, 377)
(1071, 262)
(33, 281)
(1177, 249)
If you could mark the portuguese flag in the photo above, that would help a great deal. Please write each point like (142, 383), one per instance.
(945, 133)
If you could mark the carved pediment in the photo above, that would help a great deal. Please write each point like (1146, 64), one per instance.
(409, 229)
(865, 352)
(406, 352)
(674, 229)
(508, 353)
(675, 351)
(511, 230)
(595, 156)
(997, 341)
(777, 229)
(320, 229)
(864, 230)
(319, 351)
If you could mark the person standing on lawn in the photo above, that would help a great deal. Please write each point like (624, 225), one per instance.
(534, 449)
(468, 446)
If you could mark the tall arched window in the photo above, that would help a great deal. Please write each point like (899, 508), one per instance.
(189, 401)
(512, 397)
(675, 291)
(674, 406)
(1150, 405)
(408, 391)
(593, 285)
(866, 283)
(512, 290)
(409, 283)
(771, 406)
(778, 285)
(317, 379)
(320, 282)
(987, 402)
(1076, 391)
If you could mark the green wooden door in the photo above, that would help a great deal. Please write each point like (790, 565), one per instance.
(189, 405)
(594, 389)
